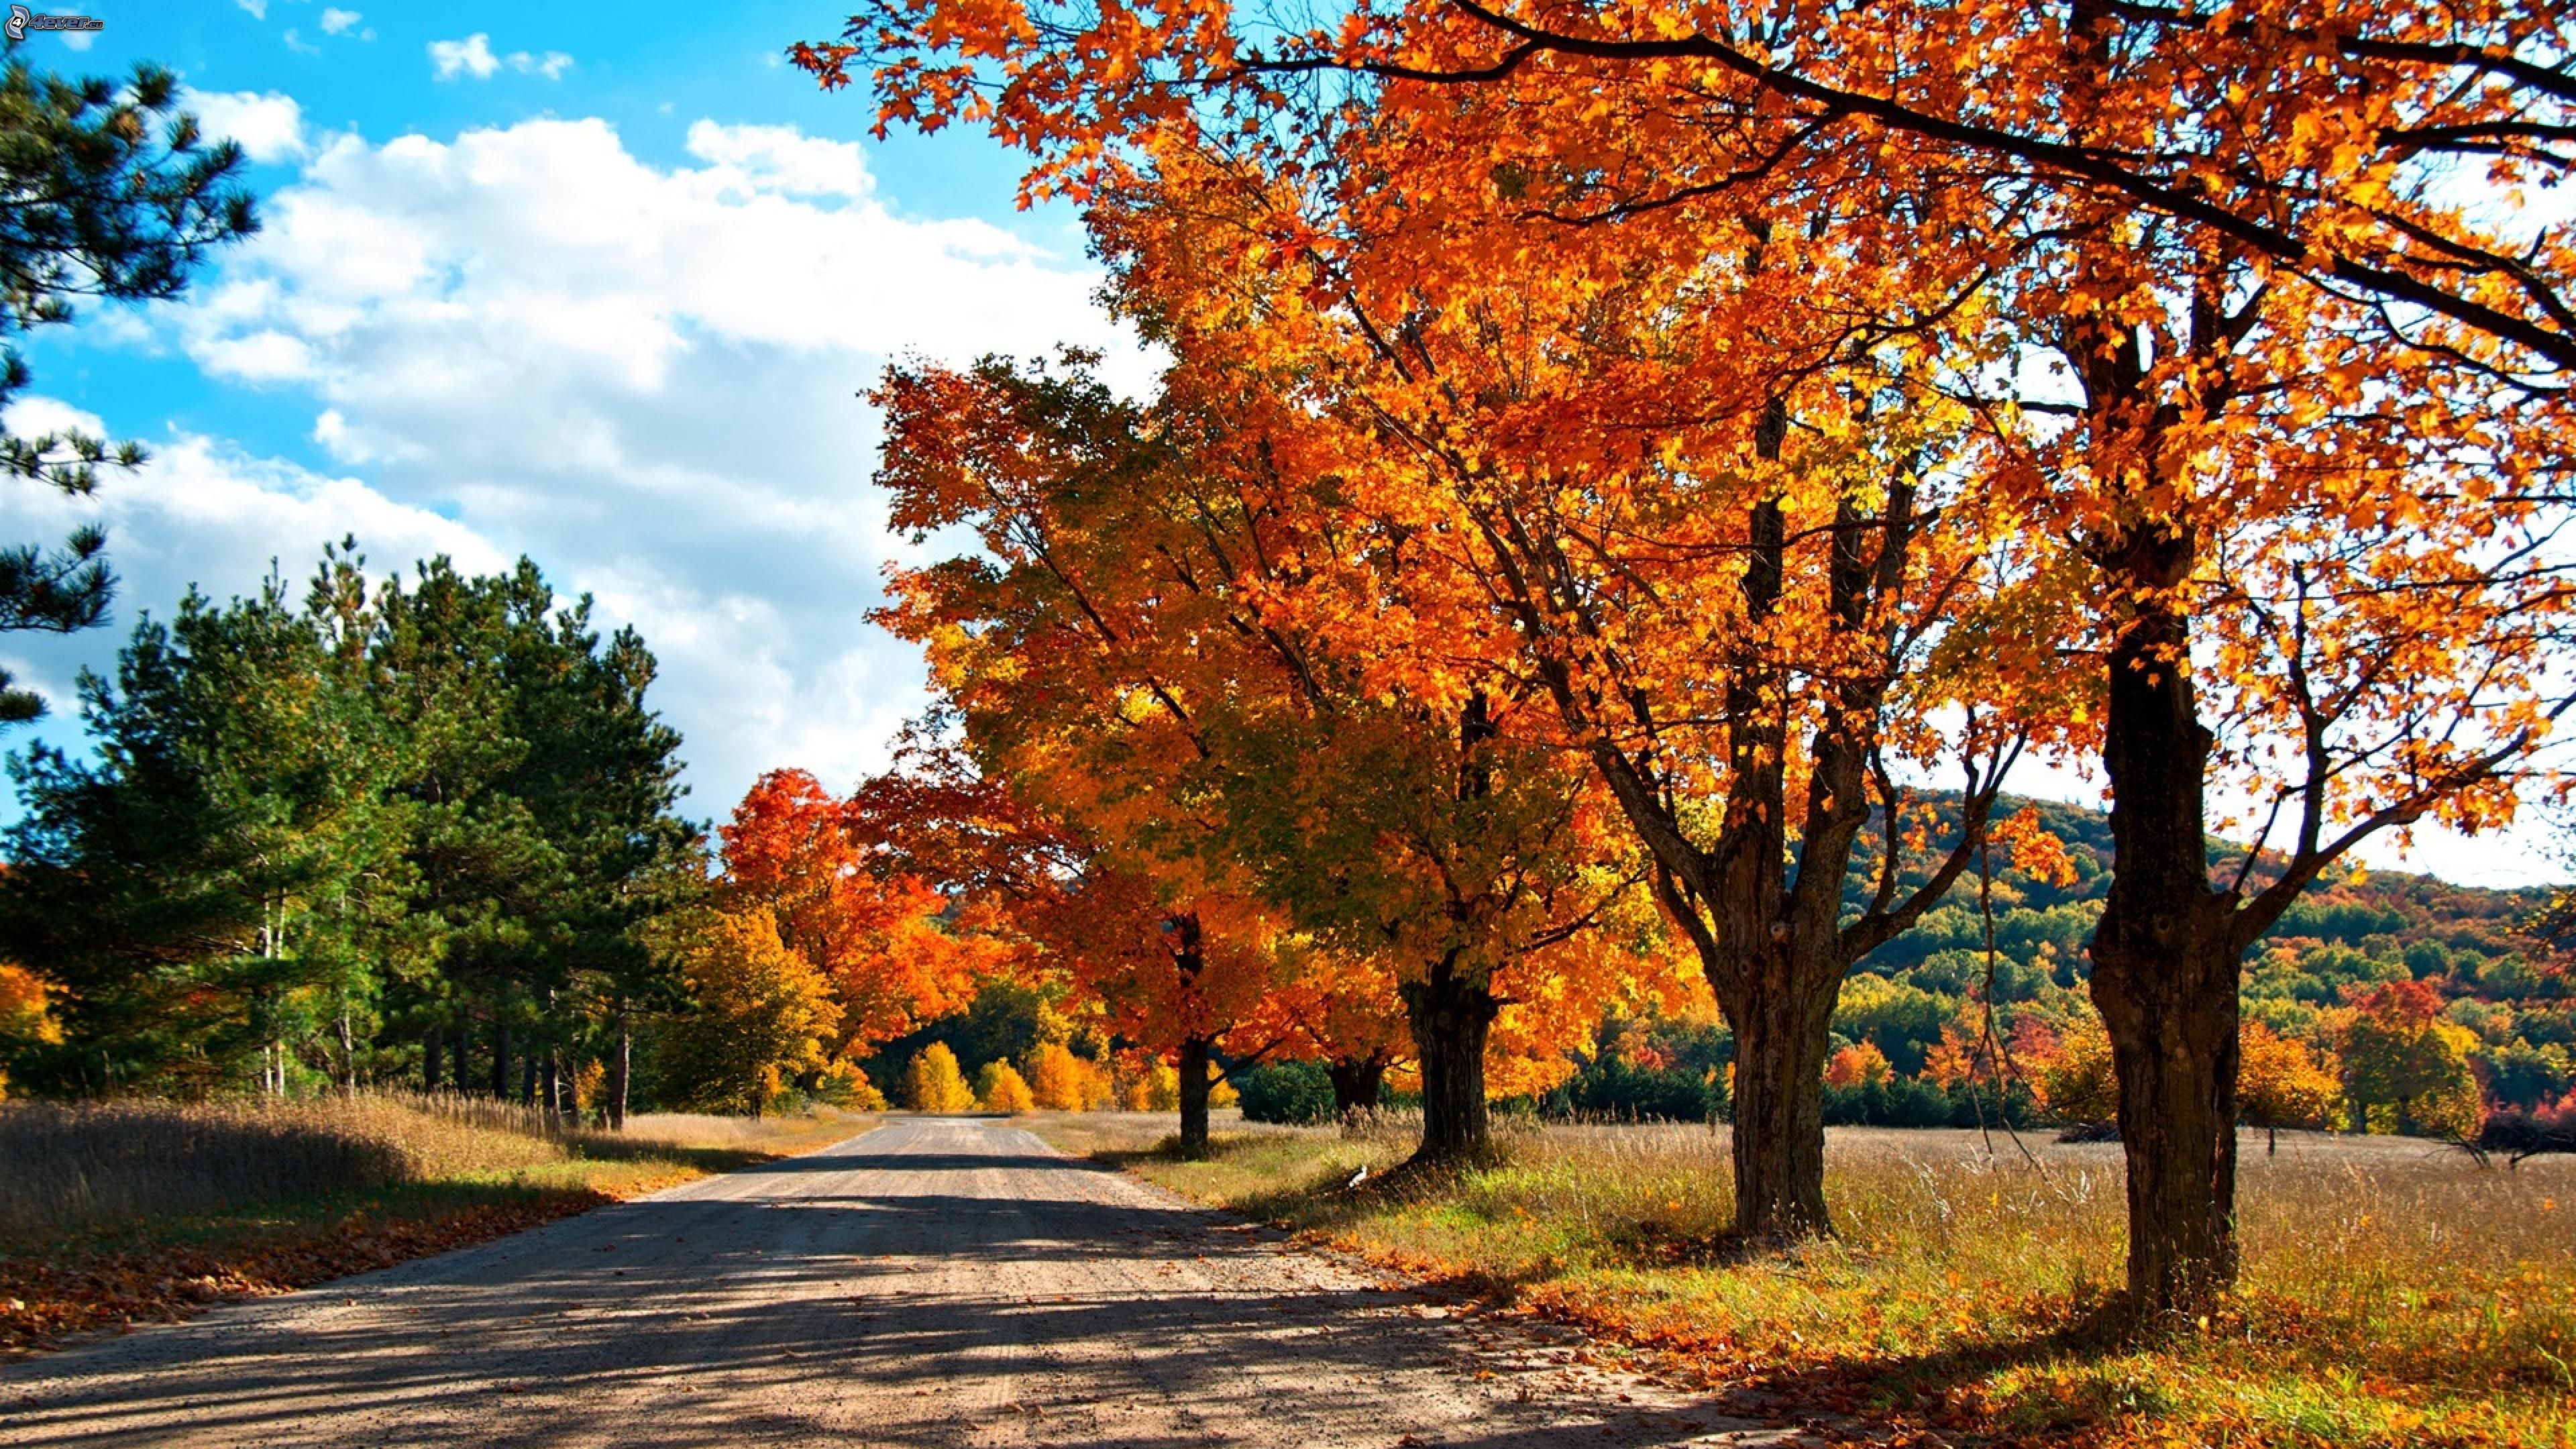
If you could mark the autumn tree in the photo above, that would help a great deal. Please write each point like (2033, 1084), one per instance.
(1411, 827)
(1000, 1088)
(881, 935)
(26, 1013)
(2281, 1083)
(932, 1083)
(762, 1016)
(2312, 409)
(2407, 1069)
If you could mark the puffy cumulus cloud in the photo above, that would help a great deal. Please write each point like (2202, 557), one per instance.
(471, 56)
(643, 377)
(336, 21)
(269, 126)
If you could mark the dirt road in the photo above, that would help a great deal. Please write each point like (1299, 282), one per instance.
(934, 1282)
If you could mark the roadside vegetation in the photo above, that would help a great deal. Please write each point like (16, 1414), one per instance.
(2392, 1292)
(120, 1212)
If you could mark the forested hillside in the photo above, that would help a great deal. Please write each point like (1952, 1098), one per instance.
(2412, 998)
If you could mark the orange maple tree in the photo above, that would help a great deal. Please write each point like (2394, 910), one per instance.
(1142, 633)
(889, 945)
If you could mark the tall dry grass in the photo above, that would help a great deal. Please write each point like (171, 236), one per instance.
(67, 1166)
(2394, 1291)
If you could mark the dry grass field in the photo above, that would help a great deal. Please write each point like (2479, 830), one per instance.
(117, 1212)
(2394, 1291)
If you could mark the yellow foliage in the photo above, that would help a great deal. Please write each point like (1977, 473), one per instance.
(2079, 1085)
(1063, 1082)
(933, 1084)
(844, 1085)
(1003, 1089)
(25, 1012)
(1155, 1087)
(762, 1013)
(2281, 1083)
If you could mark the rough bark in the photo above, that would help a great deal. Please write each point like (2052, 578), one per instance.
(1194, 1096)
(2165, 964)
(1452, 1013)
(1357, 1081)
(1782, 1028)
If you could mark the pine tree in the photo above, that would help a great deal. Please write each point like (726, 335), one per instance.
(112, 194)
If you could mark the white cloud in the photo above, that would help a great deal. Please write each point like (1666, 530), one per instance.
(269, 126)
(336, 20)
(298, 44)
(474, 56)
(258, 8)
(783, 159)
(643, 377)
(203, 512)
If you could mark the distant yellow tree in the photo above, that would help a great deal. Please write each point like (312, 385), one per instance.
(2281, 1083)
(1858, 1066)
(1002, 1089)
(1155, 1087)
(26, 1018)
(2079, 1085)
(933, 1084)
(760, 1016)
(1063, 1082)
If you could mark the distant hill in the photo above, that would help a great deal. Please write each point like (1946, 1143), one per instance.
(2496, 975)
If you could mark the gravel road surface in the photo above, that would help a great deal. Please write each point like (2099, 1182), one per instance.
(933, 1282)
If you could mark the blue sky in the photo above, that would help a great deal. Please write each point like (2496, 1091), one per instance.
(598, 285)
(561, 281)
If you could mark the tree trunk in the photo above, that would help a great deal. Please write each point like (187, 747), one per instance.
(2165, 967)
(1778, 1111)
(500, 1060)
(550, 1085)
(433, 1052)
(1356, 1084)
(464, 1038)
(348, 1057)
(620, 1064)
(1194, 1096)
(528, 1079)
(1451, 1016)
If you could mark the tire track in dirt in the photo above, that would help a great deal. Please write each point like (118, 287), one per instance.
(938, 1281)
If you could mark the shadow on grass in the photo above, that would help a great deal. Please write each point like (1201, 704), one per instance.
(1922, 1388)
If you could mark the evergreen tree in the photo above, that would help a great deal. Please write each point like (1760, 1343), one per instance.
(110, 192)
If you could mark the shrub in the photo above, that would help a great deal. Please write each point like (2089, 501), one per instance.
(1289, 1092)
(1609, 1086)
